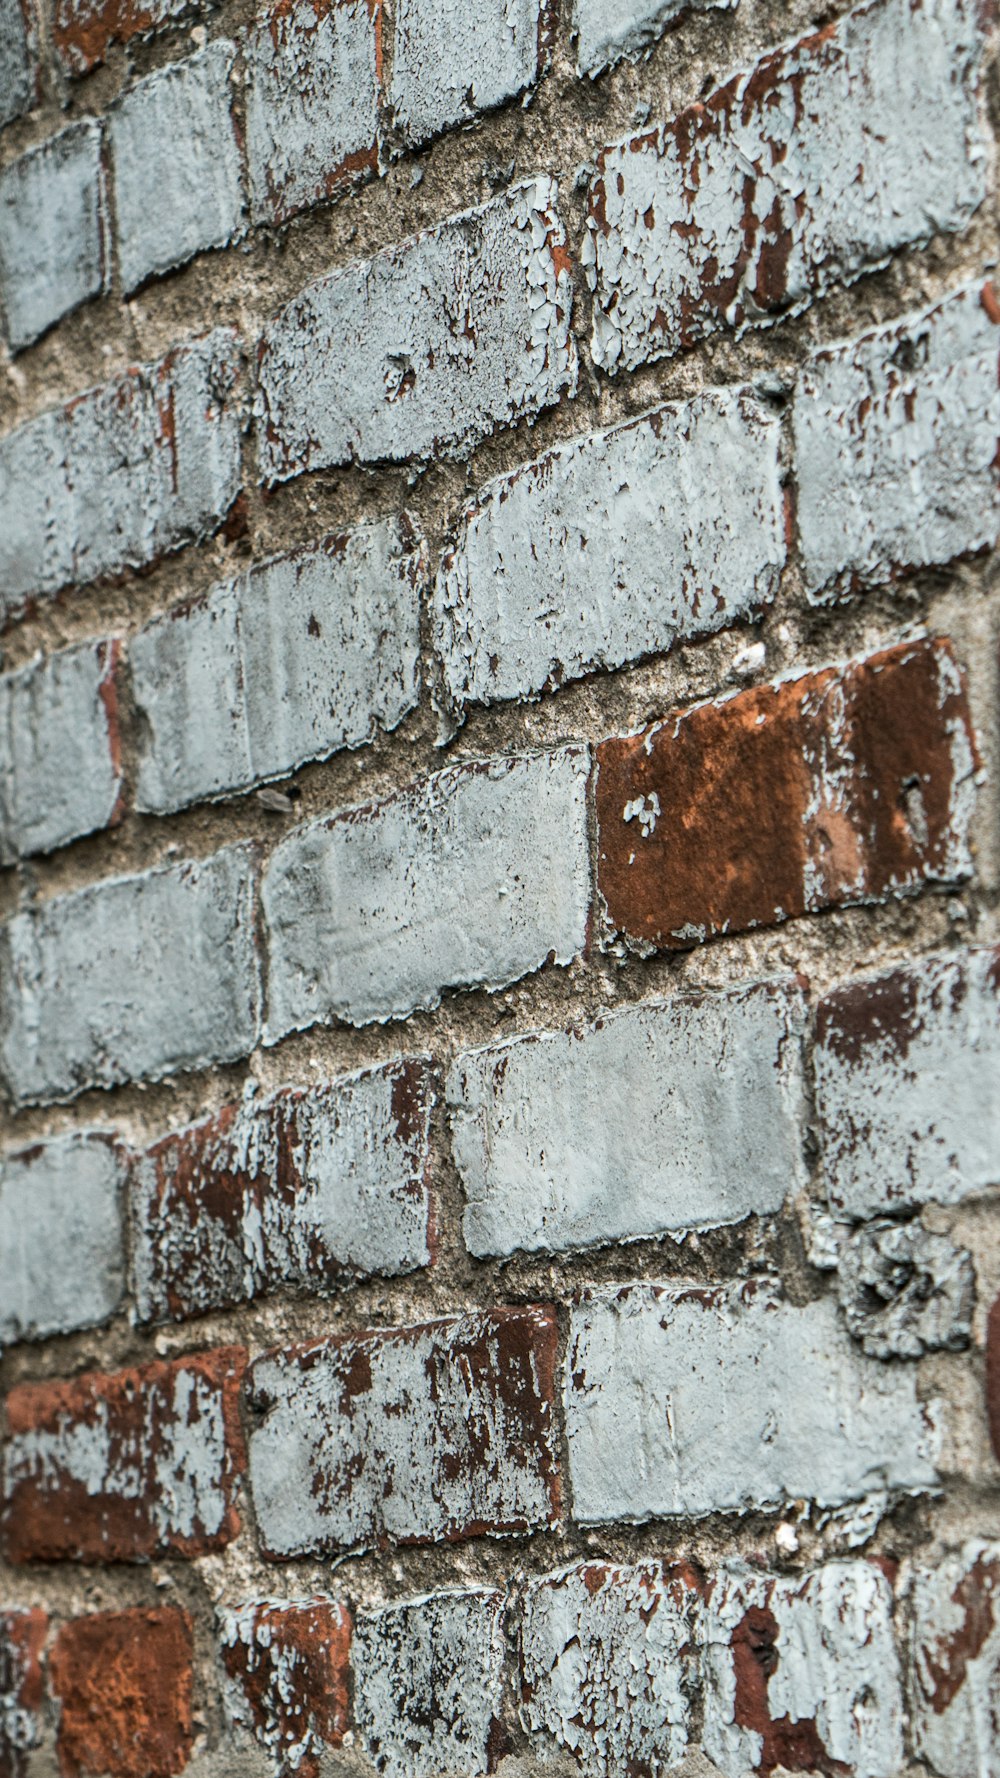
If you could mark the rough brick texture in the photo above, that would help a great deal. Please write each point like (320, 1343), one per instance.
(18, 63)
(52, 232)
(955, 1662)
(449, 62)
(22, 1687)
(124, 1681)
(429, 1684)
(61, 773)
(83, 31)
(604, 30)
(62, 1236)
(287, 1680)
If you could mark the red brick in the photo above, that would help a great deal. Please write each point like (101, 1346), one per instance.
(288, 1671)
(849, 784)
(125, 1466)
(124, 1681)
(84, 30)
(993, 1376)
(22, 1638)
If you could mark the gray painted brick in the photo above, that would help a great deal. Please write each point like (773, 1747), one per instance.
(452, 62)
(427, 347)
(954, 1661)
(473, 877)
(133, 976)
(18, 66)
(177, 178)
(428, 1683)
(613, 546)
(302, 655)
(60, 768)
(606, 30)
(61, 1236)
(52, 240)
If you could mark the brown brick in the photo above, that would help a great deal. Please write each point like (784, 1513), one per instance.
(123, 1679)
(22, 1638)
(84, 30)
(288, 1668)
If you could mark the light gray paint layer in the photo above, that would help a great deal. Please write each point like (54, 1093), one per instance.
(17, 69)
(720, 1400)
(451, 62)
(954, 1648)
(896, 440)
(177, 179)
(670, 1115)
(60, 774)
(131, 977)
(614, 546)
(470, 878)
(52, 246)
(61, 1237)
(428, 1683)
(425, 348)
(301, 656)
(606, 30)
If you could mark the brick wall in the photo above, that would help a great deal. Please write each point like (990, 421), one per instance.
(499, 889)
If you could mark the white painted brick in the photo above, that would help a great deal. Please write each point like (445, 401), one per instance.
(694, 1401)
(670, 1115)
(427, 347)
(128, 977)
(906, 1067)
(954, 1662)
(60, 1236)
(411, 1435)
(60, 765)
(451, 62)
(123, 473)
(896, 446)
(614, 546)
(302, 655)
(608, 1669)
(18, 75)
(765, 177)
(311, 99)
(52, 243)
(802, 1673)
(177, 179)
(428, 1683)
(471, 878)
(606, 30)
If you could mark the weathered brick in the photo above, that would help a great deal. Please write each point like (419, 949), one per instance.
(905, 1065)
(794, 176)
(407, 1435)
(302, 655)
(287, 1667)
(471, 878)
(128, 977)
(427, 347)
(124, 1680)
(305, 1189)
(693, 1401)
(608, 1665)
(905, 1291)
(850, 784)
(18, 59)
(992, 1377)
(22, 1687)
(449, 63)
(123, 473)
(118, 1467)
(605, 30)
(61, 1236)
(428, 1677)
(613, 546)
(897, 446)
(84, 30)
(60, 763)
(312, 93)
(669, 1115)
(954, 1662)
(177, 179)
(801, 1673)
(52, 232)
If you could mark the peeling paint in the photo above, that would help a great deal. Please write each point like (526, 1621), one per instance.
(429, 1684)
(61, 1236)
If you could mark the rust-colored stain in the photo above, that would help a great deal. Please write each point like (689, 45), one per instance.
(22, 1639)
(794, 1745)
(84, 30)
(947, 1659)
(292, 1670)
(124, 1682)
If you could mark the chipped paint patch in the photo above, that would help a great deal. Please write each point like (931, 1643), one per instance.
(429, 1684)
(955, 1654)
(287, 1677)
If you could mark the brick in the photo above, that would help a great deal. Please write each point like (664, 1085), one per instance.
(61, 1235)
(694, 1401)
(123, 473)
(429, 1684)
(130, 977)
(801, 1673)
(614, 546)
(608, 1665)
(122, 1466)
(306, 1189)
(471, 878)
(18, 60)
(604, 30)
(287, 1668)
(300, 656)
(905, 1067)
(407, 1435)
(22, 1687)
(52, 232)
(425, 349)
(450, 63)
(992, 1377)
(669, 1115)
(124, 1681)
(690, 227)
(311, 97)
(177, 177)
(905, 1291)
(954, 1662)
(851, 784)
(61, 770)
(83, 31)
